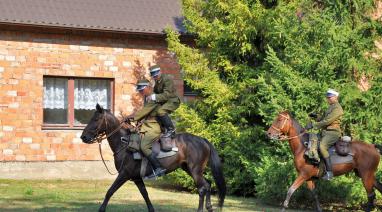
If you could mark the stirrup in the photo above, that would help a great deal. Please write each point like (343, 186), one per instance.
(169, 133)
(155, 175)
(124, 139)
(328, 176)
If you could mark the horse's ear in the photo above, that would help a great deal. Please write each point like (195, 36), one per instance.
(99, 108)
(285, 111)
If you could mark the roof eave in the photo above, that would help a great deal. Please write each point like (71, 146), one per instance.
(56, 28)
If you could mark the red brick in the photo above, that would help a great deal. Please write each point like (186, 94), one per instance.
(27, 119)
(21, 93)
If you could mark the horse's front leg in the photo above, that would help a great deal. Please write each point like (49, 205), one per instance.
(142, 188)
(121, 179)
(312, 188)
(296, 184)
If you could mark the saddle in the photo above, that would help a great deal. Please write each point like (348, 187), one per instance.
(162, 147)
(340, 152)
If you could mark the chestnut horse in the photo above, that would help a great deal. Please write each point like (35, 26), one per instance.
(193, 155)
(365, 160)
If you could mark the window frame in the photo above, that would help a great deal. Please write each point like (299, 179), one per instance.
(70, 82)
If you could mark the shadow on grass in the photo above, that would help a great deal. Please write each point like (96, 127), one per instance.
(22, 205)
(91, 207)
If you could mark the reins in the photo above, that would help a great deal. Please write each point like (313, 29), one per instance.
(103, 136)
(283, 138)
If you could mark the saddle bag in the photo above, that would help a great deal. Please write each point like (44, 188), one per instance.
(343, 146)
(134, 141)
(166, 143)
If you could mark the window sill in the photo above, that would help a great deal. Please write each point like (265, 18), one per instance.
(190, 94)
(66, 127)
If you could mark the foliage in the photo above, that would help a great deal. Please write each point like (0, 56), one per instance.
(257, 57)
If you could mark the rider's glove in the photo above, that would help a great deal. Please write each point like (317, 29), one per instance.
(313, 115)
(309, 126)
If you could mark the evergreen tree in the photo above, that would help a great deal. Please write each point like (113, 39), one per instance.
(255, 58)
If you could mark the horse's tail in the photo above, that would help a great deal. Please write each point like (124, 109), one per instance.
(379, 148)
(217, 173)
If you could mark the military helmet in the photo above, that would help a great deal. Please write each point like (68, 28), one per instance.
(154, 70)
(142, 84)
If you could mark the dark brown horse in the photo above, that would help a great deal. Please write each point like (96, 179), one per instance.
(193, 155)
(365, 160)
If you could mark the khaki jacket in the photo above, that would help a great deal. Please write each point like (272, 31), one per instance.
(150, 123)
(164, 89)
(332, 118)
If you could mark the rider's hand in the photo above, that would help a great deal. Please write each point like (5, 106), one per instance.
(128, 118)
(151, 97)
(313, 115)
(309, 126)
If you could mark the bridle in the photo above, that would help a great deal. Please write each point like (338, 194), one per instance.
(281, 135)
(101, 136)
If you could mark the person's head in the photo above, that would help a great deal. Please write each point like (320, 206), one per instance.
(155, 72)
(332, 96)
(143, 87)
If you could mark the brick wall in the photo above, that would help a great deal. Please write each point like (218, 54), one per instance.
(26, 57)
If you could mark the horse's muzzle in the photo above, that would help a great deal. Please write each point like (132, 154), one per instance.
(273, 136)
(86, 139)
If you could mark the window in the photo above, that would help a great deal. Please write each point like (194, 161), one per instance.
(187, 90)
(70, 102)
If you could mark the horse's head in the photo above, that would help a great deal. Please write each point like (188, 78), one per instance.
(96, 127)
(280, 126)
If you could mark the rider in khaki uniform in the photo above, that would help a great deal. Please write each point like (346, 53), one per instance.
(330, 124)
(150, 128)
(165, 97)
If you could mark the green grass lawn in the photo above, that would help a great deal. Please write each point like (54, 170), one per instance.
(76, 195)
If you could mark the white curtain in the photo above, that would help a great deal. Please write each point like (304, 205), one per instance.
(55, 93)
(87, 93)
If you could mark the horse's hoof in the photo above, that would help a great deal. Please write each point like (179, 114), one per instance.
(369, 207)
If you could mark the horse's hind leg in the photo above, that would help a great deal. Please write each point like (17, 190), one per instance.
(296, 184)
(312, 188)
(121, 179)
(208, 190)
(378, 185)
(208, 196)
(368, 181)
(202, 185)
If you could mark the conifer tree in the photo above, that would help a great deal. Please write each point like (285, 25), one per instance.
(257, 57)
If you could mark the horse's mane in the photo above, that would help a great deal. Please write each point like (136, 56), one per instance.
(121, 116)
(295, 123)
(297, 126)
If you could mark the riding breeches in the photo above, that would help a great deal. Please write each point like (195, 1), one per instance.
(329, 138)
(147, 142)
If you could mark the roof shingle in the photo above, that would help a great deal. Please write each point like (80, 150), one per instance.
(137, 16)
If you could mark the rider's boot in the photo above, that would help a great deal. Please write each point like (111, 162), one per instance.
(329, 172)
(157, 168)
(168, 125)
